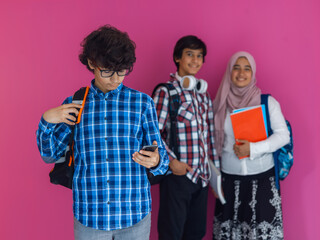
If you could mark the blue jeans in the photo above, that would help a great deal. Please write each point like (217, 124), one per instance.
(139, 231)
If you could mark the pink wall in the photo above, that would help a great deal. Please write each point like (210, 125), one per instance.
(39, 46)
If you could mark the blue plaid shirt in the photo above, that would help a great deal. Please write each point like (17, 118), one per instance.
(110, 190)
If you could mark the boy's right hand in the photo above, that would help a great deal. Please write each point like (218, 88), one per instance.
(179, 168)
(62, 114)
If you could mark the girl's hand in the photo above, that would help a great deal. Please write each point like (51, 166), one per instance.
(243, 149)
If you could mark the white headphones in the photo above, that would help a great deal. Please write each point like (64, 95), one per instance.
(189, 82)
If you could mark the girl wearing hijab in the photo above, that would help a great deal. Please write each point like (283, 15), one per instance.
(253, 208)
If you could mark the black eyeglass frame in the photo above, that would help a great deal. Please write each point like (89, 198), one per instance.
(109, 73)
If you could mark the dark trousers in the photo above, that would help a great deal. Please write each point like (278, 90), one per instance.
(183, 209)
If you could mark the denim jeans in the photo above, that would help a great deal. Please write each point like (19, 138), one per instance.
(139, 231)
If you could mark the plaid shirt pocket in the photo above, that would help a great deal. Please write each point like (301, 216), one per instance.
(186, 113)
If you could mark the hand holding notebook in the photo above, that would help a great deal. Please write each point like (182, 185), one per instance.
(249, 124)
(242, 148)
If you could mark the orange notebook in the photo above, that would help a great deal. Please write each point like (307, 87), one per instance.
(249, 124)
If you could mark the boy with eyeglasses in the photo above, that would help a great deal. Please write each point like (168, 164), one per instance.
(111, 191)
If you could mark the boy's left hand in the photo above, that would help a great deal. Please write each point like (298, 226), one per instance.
(151, 159)
(243, 149)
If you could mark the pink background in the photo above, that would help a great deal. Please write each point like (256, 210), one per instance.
(39, 67)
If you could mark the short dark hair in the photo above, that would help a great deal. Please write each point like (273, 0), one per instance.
(107, 47)
(191, 42)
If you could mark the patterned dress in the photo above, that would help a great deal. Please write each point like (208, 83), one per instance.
(253, 208)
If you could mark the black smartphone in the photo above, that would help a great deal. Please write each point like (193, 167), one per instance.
(150, 148)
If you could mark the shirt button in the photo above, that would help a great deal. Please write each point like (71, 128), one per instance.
(107, 159)
(105, 118)
(105, 138)
(108, 202)
(108, 181)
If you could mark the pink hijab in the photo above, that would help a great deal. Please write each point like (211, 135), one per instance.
(230, 97)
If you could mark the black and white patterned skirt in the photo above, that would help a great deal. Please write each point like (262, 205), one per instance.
(253, 208)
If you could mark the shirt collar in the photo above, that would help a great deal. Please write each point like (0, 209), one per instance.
(97, 92)
(178, 77)
(175, 79)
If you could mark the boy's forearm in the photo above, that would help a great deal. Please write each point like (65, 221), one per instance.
(52, 140)
(163, 165)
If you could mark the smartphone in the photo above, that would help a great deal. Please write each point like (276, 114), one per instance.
(150, 148)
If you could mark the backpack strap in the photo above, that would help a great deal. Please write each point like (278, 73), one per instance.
(174, 104)
(79, 97)
(264, 100)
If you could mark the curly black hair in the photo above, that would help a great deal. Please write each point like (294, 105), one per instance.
(191, 42)
(109, 48)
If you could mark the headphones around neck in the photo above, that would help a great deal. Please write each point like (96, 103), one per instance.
(189, 82)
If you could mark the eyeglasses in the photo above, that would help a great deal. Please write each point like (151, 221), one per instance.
(108, 73)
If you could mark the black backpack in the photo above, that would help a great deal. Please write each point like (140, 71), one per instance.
(62, 173)
(174, 104)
